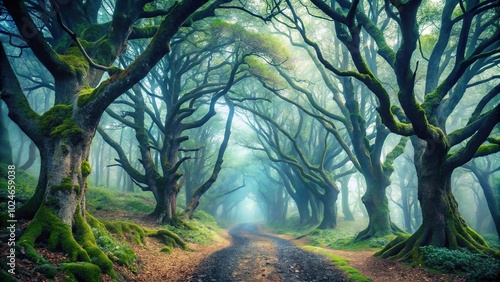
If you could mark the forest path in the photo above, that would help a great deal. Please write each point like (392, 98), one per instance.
(256, 256)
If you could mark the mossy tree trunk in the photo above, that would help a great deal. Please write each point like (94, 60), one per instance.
(442, 224)
(63, 134)
(377, 206)
(193, 204)
(329, 200)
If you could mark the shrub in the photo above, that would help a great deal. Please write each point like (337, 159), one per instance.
(476, 266)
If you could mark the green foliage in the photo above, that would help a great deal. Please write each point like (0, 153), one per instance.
(476, 266)
(201, 231)
(25, 186)
(351, 272)
(492, 240)
(345, 240)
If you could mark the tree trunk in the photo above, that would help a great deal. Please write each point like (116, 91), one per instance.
(406, 206)
(329, 200)
(315, 206)
(31, 157)
(62, 211)
(442, 225)
(491, 200)
(377, 206)
(346, 210)
(166, 203)
(303, 208)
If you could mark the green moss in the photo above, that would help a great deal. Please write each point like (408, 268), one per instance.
(166, 249)
(114, 250)
(85, 236)
(103, 51)
(114, 71)
(127, 230)
(75, 59)
(68, 130)
(168, 238)
(84, 96)
(86, 169)
(82, 271)
(48, 270)
(57, 122)
(95, 32)
(59, 236)
(52, 202)
(66, 185)
(55, 117)
(351, 272)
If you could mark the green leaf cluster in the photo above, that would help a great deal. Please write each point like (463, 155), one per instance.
(477, 266)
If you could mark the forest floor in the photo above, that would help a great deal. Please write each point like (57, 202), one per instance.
(246, 253)
(382, 270)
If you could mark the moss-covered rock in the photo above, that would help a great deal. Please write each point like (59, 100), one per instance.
(82, 271)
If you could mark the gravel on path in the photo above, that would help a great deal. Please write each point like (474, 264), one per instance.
(255, 256)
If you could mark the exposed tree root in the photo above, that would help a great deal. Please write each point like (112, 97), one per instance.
(372, 231)
(80, 244)
(457, 236)
(82, 271)
(137, 234)
(169, 239)
(46, 226)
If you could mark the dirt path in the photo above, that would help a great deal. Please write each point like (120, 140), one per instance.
(255, 256)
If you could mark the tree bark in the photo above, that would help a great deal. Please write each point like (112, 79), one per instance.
(442, 224)
(377, 206)
(346, 210)
(329, 200)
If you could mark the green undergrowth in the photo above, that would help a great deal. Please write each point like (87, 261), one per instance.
(345, 240)
(291, 227)
(25, 185)
(102, 199)
(352, 273)
(492, 240)
(477, 267)
(202, 229)
(342, 237)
